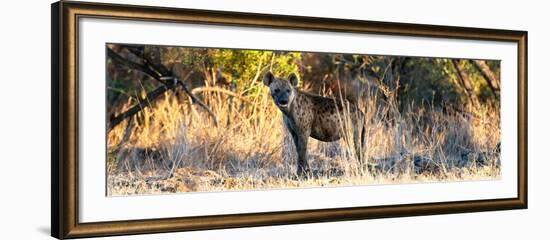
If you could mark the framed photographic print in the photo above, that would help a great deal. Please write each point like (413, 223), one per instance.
(167, 119)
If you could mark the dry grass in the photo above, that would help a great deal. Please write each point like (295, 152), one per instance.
(175, 147)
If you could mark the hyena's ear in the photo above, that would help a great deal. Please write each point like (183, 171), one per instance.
(293, 79)
(268, 78)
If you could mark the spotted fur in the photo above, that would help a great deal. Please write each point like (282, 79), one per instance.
(308, 115)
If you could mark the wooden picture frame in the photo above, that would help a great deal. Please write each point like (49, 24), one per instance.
(65, 119)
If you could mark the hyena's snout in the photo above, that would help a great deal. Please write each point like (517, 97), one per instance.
(282, 101)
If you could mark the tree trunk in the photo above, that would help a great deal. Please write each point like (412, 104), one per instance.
(465, 80)
(489, 76)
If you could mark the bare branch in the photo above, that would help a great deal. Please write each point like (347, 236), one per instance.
(196, 100)
(142, 104)
(157, 72)
(221, 90)
(133, 65)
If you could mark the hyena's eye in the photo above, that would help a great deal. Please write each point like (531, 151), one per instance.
(288, 91)
(277, 90)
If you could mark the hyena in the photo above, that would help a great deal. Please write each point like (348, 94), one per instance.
(308, 115)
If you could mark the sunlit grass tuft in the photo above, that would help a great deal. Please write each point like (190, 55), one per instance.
(174, 146)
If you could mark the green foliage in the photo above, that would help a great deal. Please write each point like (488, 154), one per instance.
(245, 68)
(414, 79)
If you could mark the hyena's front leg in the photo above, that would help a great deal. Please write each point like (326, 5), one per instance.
(300, 141)
(359, 143)
(359, 133)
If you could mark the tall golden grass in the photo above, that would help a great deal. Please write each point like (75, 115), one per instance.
(173, 146)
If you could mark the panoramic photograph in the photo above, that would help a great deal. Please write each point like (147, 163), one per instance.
(194, 119)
